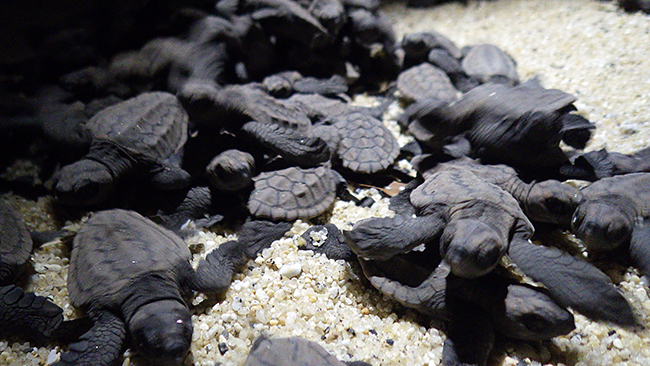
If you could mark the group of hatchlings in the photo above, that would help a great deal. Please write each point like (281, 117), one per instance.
(221, 127)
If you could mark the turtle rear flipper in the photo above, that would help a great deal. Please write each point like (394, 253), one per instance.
(640, 246)
(428, 297)
(572, 282)
(101, 345)
(31, 316)
(380, 238)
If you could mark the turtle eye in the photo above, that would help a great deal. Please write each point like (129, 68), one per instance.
(534, 322)
(617, 233)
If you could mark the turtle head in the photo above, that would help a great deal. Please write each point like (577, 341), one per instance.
(529, 314)
(471, 247)
(162, 332)
(83, 183)
(231, 170)
(553, 202)
(601, 225)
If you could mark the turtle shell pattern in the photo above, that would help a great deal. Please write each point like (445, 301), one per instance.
(425, 81)
(292, 193)
(151, 126)
(15, 242)
(112, 249)
(366, 145)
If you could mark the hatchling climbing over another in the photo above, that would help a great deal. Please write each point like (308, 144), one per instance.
(473, 224)
(130, 275)
(144, 134)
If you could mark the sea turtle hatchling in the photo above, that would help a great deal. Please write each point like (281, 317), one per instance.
(548, 201)
(425, 81)
(614, 214)
(130, 275)
(488, 63)
(146, 132)
(520, 126)
(292, 193)
(473, 223)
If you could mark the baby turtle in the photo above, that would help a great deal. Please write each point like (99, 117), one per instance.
(425, 81)
(291, 351)
(130, 275)
(614, 214)
(231, 170)
(520, 126)
(364, 145)
(146, 132)
(418, 45)
(292, 193)
(488, 63)
(473, 223)
(547, 201)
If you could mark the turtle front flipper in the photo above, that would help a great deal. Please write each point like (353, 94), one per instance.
(573, 282)
(169, 175)
(101, 345)
(381, 238)
(257, 235)
(215, 272)
(28, 315)
(640, 246)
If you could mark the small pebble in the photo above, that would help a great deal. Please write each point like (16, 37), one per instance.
(290, 270)
(52, 357)
(223, 348)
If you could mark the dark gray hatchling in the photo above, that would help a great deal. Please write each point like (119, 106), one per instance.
(302, 149)
(22, 314)
(130, 275)
(423, 82)
(292, 193)
(143, 134)
(614, 214)
(487, 63)
(234, 105)
(360, 141)
(597, 164)
(231, 170)
(548, 201)
(520, 126)
(473, 223)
